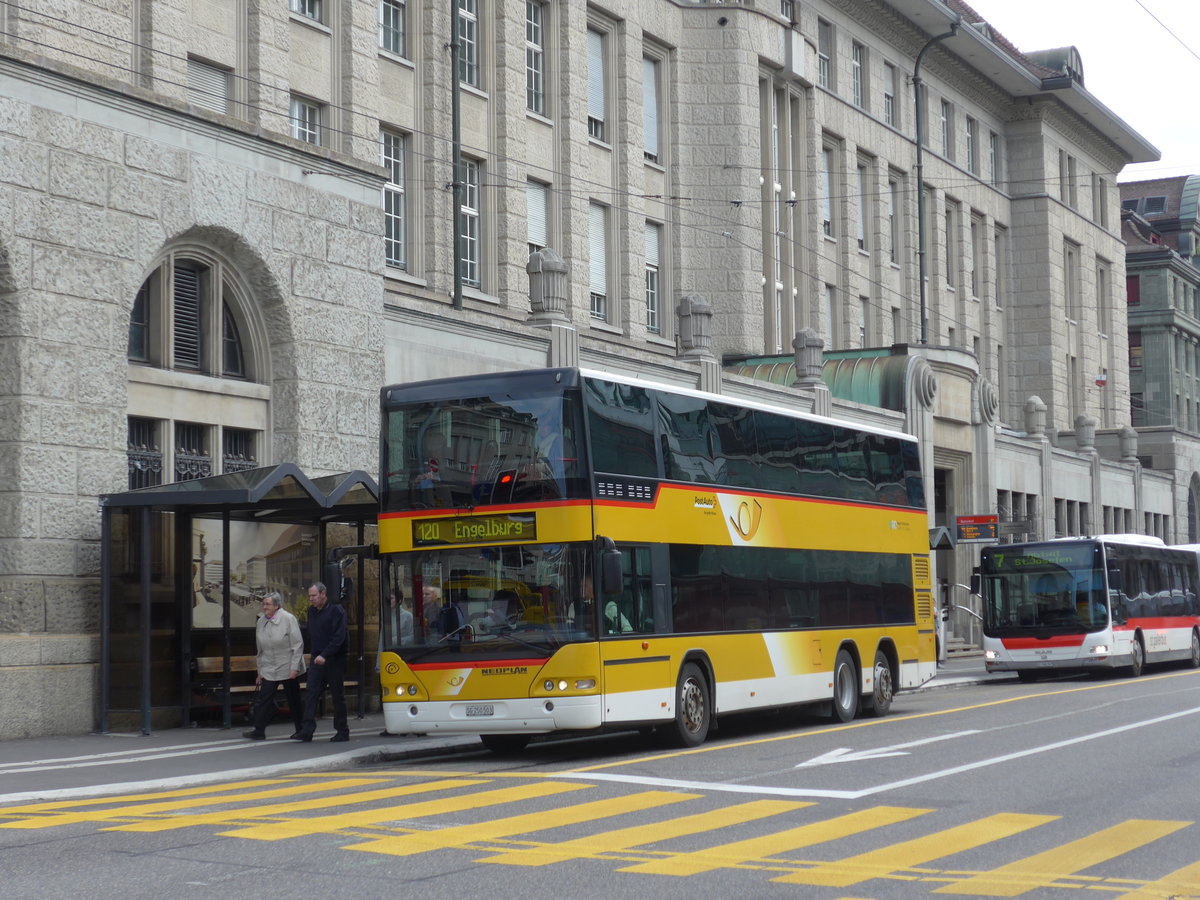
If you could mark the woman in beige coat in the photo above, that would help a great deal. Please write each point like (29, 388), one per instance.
(280, 661)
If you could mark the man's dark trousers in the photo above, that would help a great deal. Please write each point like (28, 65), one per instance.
(333, 674)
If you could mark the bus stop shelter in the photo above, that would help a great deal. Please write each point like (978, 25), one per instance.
(183, 570)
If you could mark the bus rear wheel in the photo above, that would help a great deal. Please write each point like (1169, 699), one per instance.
(693, 715)
(846, 682)
(879, 701)
(505, 743)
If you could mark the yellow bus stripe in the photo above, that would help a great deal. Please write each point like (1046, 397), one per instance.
(424, 841)
(906, 854)
(326, 824)
(1042, 868)
(1183, 882)
(626, 838)
(143, 809)
(235, 816)
(738, 853)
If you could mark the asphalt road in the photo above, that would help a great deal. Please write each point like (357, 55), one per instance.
(996, 789)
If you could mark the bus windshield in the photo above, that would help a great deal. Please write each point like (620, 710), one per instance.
(483, 451)
(492, 602)
(1043, 589)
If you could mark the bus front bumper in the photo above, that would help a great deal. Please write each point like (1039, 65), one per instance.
(497, 716)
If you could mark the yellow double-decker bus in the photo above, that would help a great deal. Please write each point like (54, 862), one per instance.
(574, 550)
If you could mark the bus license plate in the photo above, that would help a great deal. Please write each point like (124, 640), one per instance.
(481, 709)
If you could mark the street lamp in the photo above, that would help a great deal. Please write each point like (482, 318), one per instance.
(917, 86)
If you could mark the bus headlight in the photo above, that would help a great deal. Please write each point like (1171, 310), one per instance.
(549, 685)
(412, 690)
(990, 654)
(1100, 650)
(585, 684)
(562, 685)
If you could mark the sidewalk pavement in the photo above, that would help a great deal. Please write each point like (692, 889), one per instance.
(93, 765)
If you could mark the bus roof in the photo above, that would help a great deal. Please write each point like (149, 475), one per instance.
(443, 388)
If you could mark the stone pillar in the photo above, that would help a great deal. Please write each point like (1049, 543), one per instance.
(807, 347)
(548, 286)
(1085, 433)
(1035, 418)
(695, 326)
(1128, 440)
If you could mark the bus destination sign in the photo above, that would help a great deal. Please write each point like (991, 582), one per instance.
(977, 529)
(474, 530)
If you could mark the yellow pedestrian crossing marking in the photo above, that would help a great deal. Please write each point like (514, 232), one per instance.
(424, 841)
(173, 805)
(396, 813)
(627, 838)
(907, 854)
(1183, 882)
(1067, 859)
(230, 817)
(290, 828)
(739, 853)
(52, 805)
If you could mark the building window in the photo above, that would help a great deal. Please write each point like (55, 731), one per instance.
(947, 125)
(972, 146)
(392, 26)
(186, 324)
(597, 86)
(891, 90)
(535, 57)
(598, 260)
(1135, 349)
(469, 214)
(826, 188)
(536, 199)
(1071, 280)
(861, 229)
(143, 453)
(830, 316)
(306, 120)
(893, 223)
(864, 325)
(392, 147)
(1067, 191)
(208, 86)
(468, 42)
(951, 246)
(181, 321)
(825, 54)
(308, 8)
(238, 451)
(1100, 200)
(653, 242)
(1133, 290)
(650, 116)
(976, 253)
(858, 71)
(994, 157)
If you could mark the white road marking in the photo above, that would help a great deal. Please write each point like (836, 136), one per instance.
(773, 791)
(846, 754)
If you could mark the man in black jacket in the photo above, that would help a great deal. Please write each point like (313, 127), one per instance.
(328, 642)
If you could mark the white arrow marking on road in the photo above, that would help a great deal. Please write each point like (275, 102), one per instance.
(845, 754)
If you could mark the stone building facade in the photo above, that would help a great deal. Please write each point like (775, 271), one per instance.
(224, 225)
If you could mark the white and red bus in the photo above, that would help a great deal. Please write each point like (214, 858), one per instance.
(1083, 604)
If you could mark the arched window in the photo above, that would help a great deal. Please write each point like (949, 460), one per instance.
(198, 399)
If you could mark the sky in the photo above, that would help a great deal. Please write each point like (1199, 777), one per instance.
(1131, 63)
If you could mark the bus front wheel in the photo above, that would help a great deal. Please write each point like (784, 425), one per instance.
(505, 743)
(846, 682)
(1195, 657)
(692, 712)
(1137, 658)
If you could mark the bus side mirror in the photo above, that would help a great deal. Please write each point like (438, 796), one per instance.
(612, 579)
(976, 582)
